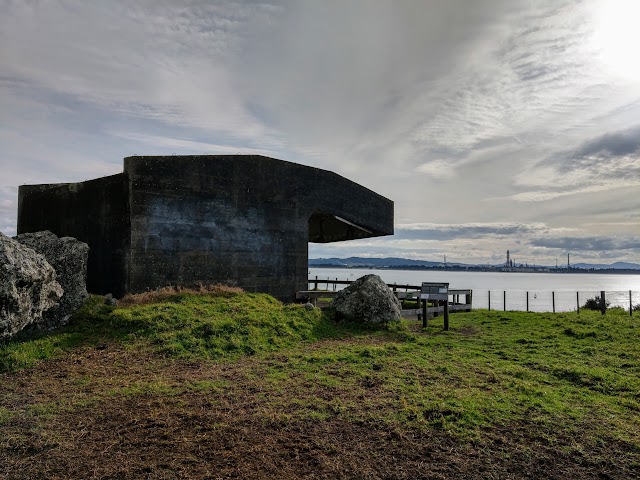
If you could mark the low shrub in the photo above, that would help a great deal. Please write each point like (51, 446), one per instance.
(594, 303)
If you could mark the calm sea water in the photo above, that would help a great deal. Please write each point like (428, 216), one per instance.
(484, 284)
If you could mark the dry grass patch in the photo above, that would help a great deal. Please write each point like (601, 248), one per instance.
(164, 293)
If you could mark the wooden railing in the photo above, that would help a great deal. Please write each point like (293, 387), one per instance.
(402, 292)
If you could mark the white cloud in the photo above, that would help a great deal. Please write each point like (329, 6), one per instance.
(183, 144)
(542, 196)
(438, 169)
(462, 112)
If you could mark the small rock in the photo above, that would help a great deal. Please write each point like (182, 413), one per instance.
(109, 300)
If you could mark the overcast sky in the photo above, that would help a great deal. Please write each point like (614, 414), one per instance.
(493, 125)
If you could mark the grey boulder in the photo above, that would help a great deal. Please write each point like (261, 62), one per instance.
(68, 257)
(369, 300)
(28, 287)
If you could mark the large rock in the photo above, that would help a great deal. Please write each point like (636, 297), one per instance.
(28, 287)
(68, 257)
(368, 299)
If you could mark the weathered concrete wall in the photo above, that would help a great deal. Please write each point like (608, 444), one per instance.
(182, 220)
(240, 219)
(95, 212)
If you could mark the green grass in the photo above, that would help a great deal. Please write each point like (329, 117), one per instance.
(493, 368)
(563, 373)
(20, 353)
(188, 325)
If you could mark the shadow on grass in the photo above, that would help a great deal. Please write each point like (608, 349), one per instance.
(91, 325)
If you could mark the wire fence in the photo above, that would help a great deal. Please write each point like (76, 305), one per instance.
(555, 301)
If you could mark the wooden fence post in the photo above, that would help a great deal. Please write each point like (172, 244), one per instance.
(504, 301)
(603, 302)
(553, 301)
(527, 301)
(424, 313)
(489, 300)
(578, 302)
(315, 284)
(630, 306)
(446, 314)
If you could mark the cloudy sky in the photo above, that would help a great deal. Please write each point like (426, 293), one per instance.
(493, 125)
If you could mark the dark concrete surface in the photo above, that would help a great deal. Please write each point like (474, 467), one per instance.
(95, 212)
(244, 220)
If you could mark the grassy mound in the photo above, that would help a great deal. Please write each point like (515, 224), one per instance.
(188, 324)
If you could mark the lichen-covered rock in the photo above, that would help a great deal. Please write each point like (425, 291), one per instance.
(68, 257)
(28, 287)
(368, 299)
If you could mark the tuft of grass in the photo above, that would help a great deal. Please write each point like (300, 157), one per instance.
(5, 415)
(22, 353)
(156, 388)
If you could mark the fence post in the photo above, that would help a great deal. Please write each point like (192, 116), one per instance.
(630, 306)
(335, 285)
(446, 314)
(504, 301)
(315, 284)
(578, 302)
(603, 302)
(527, 301)
(553, 301)
(424, 313)
(489, 300)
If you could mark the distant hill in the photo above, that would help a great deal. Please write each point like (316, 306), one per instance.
(394, 262)
(611, 266)
(373, 262)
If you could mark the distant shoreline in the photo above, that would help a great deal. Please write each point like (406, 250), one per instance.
(570, 271)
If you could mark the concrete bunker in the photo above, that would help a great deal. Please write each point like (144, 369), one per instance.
(184, 220)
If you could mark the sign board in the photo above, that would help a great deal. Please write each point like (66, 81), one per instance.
(434, 291)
